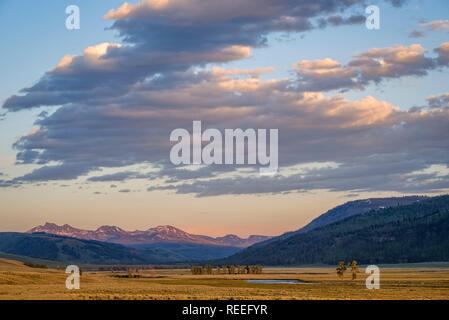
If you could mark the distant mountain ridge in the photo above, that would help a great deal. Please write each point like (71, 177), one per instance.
(160, 234)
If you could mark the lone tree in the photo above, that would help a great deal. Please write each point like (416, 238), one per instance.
(354, 269)
(341, 269)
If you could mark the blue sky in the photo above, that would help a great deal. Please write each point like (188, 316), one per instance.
(35, 39)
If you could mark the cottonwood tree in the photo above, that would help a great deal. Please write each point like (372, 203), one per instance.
(231, 269)
(341, 269)
(354, 269)
(218, 269)
(259, 269)
(208, 269)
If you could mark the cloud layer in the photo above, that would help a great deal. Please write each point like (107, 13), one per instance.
(118, 103)
(373, 66)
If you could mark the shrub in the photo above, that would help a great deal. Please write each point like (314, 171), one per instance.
(35, 265)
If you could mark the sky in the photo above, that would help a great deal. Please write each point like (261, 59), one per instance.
(86, 114)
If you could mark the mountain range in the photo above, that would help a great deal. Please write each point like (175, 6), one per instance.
(160, 234)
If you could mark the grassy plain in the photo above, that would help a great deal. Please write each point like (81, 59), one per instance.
(18, 281)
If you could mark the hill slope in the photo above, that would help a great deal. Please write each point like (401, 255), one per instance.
(356, 207)
(410, 233)
(60, 248)
(29, 247)
(350, 209)
(185, 252)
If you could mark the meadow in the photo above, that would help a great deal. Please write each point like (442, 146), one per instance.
(18, 281)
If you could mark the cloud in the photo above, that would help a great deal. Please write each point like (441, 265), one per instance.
(437, 25)
(124, 190)
(244, 12)
(393, 62)
(166, 36)
(134, 129)
(397, 3)
(373, 66)
(338, 20)
(433, 102)
(436, 102)
(119, 176)
(66, 171)
(326, 74)
(108, 71)
(364, 176)
(118, 103)
(416, 34)
(443, 54)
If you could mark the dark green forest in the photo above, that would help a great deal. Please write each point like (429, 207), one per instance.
(59, 248)
(417, 232)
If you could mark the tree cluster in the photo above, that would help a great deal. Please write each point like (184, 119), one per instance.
(341, 268)
(231, 269)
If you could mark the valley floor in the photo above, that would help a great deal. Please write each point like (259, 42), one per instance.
(20, 282)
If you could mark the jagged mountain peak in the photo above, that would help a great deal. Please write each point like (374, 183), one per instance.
(166, 228)
(110, 229)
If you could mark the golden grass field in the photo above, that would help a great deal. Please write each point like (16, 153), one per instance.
(18, 281)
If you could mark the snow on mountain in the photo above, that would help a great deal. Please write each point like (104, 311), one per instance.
(159, 234)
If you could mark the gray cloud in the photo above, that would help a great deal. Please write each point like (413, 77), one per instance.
(443, 54)
(364, 175)
(66, 171)
(119, 176)
(441, 101)
(416, 34)
(338, 20)
(397, 3)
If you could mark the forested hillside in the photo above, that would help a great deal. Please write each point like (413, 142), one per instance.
(410, 233)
